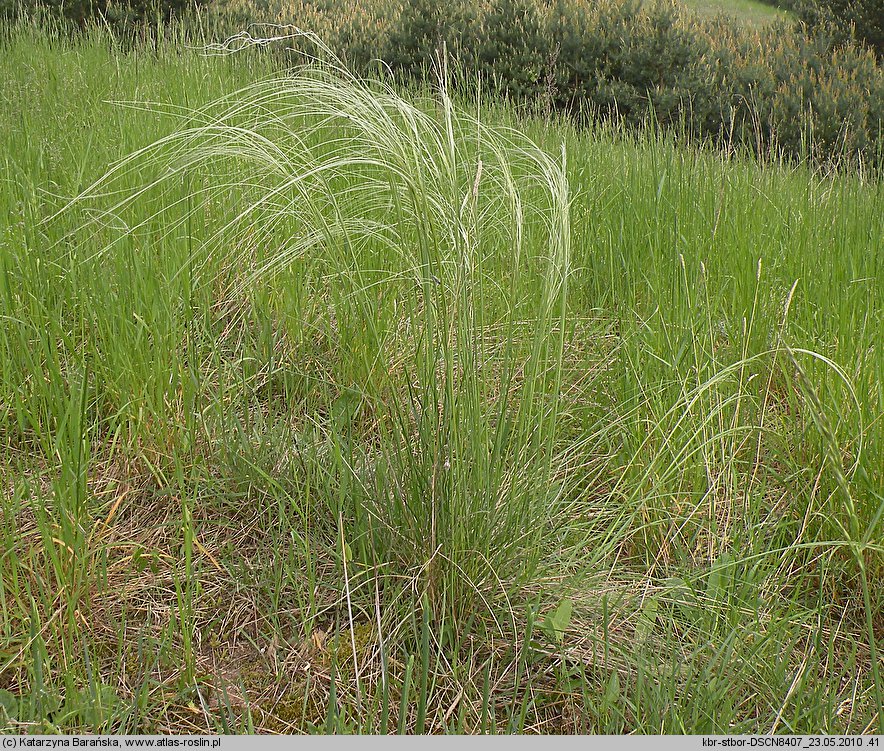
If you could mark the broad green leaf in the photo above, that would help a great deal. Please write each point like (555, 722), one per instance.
(556, 623)
(612, 690)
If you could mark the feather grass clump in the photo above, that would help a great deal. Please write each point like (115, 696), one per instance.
(402, 218)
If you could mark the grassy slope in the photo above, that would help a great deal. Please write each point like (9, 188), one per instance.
(748, 11)
(203, 524)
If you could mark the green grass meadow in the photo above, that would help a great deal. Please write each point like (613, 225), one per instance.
(328, 407)
(751, 12)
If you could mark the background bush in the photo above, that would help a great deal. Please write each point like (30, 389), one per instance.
(839, 20)
(770, 90)
(123, 15)
(773, 90)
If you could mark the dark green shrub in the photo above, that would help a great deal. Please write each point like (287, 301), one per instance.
(512, 53)
(577, 57)
(771, 90)
(120, 14)
(800, 98)
(417, 36)
(627, 63)
(423, 29)
(659, 62)
(586, 43)
(838, 21)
